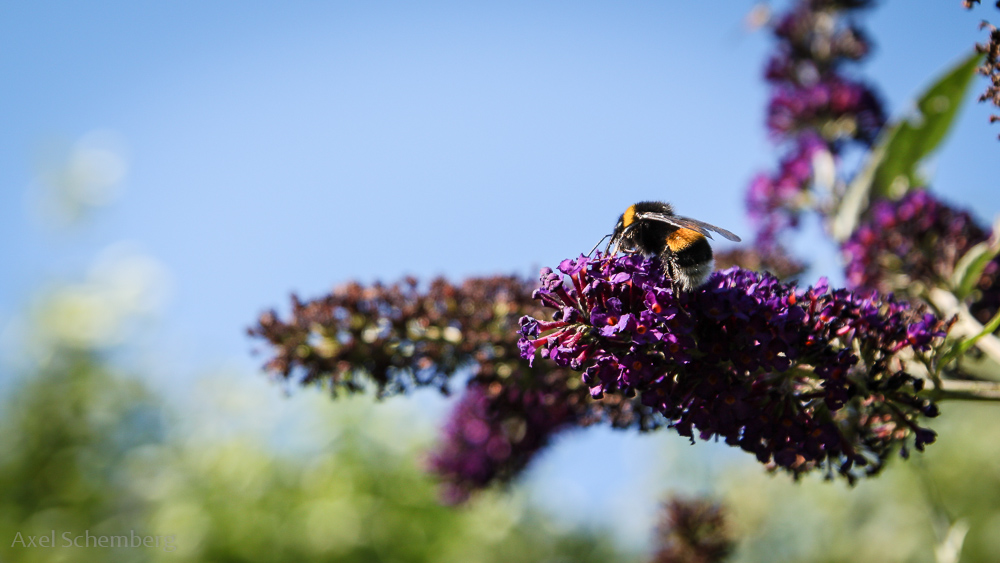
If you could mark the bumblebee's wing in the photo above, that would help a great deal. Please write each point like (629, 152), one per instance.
(692, 223)
(688, 223)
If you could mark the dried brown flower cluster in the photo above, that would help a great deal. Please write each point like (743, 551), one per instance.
(399, 337)
(692, 531)
(991, 67)
(395, 338)
(775, 260)
(968, 4)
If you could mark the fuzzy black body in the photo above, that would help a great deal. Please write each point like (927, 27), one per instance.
(653, 229)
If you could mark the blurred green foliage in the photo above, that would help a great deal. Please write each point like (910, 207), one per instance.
(64, 437)
(358, 503)
(86, 450)
(904, 515)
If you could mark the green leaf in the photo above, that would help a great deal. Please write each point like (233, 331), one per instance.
(963, 346)
(970, 267)
(912, 139)
(856, 197)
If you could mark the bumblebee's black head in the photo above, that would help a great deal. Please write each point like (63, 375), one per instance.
(634, 234)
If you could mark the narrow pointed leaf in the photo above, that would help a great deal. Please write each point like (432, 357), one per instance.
(970, 267)
(914, 138)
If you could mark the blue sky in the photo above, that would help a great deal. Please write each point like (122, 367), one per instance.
(292, 146)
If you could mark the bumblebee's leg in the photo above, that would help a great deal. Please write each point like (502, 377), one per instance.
(613, 245)
(671, 267)
(624, 250)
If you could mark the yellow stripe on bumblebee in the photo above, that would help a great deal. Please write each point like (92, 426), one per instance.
(682, 238)
(629, 216)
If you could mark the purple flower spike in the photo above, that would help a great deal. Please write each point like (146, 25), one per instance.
(918, 239)
(814, 107)
(492, 434)
(745, 358)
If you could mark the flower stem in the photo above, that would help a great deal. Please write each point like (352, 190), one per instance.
(966, 326)
(964, 390)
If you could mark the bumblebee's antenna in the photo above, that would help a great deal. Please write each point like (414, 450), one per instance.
(598, 244)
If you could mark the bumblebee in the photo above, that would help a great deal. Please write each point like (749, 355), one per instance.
(651, 228)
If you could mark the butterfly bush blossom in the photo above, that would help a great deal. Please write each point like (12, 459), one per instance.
(918, 239)
(814, 108)
(800, 378)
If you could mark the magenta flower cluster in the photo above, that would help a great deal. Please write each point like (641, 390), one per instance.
(917, 239)
(800, 378)
(814, 106)
(810, 91)
(492, 434)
